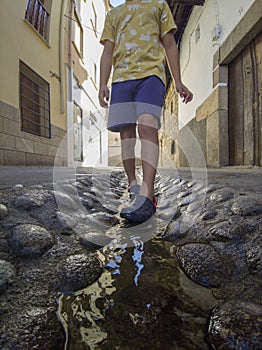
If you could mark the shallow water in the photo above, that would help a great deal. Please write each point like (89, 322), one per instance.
(142, 300)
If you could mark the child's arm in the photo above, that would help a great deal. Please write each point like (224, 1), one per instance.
(105, 70)
(172, 55)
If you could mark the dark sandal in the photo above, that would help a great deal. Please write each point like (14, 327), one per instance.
(141, 210)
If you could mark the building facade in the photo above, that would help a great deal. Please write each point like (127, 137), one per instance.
(32, 119)
(220, 55)
(49, 111)
(86, 126)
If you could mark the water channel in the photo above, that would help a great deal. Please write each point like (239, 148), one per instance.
(142, 300)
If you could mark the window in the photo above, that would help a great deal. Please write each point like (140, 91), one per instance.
(173, 147)
(34, 102)
(37, 14)
(78, 139)
(78, 35)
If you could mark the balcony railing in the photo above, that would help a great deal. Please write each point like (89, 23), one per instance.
(37, 15)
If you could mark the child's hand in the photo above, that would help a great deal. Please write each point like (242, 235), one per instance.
(103, 96)
(184, 93)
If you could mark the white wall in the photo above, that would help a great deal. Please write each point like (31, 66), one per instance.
(95, 141)
(95, 136)
(196, 58)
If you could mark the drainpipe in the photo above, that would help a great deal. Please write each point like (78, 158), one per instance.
(69, 53)
(62, 57)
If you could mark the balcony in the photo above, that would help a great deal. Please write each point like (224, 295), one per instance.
(37, 15)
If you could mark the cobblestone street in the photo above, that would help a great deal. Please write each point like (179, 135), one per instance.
(68, 275)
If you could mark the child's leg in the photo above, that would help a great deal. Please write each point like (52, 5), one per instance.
(128, 142)
(148, 133)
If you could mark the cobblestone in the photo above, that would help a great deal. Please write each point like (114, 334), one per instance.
(50, 235)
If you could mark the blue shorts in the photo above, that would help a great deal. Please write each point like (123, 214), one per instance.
(132, 98)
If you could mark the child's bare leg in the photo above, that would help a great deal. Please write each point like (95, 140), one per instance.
(128, 142)
(148, 133)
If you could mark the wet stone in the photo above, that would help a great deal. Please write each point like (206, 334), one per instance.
(110, 208)
(30, 200)
(117, 193)
(211, 270)
(102, 218)
(221, 195)
(209, 215)
(210, 188)
(3, 211)
(175, 231)
(254, 255)
(17, 217)
(247, 206)
(88, 203)
(7, 275)
(196, 205)
(187, 200)
(183, 194)
(18, 186)
(30, 240)
(65, 221)
(87, 195)
(87, 182)
(64, 201)
(236, 325)
(96, 192)
(93, 240)
(77, 272)
(249, 288)
(226, 230)
(79, 185)
(67, 189)
(163, 203)
(168, 213)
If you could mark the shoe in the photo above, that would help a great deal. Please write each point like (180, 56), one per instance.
(141, 210)
(133, 191)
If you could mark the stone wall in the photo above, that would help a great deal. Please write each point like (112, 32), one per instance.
(168, 152)
(210, 123)
(21, 148)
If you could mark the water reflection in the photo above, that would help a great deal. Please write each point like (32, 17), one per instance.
(137, 256)
(80, 314)
(141, 301)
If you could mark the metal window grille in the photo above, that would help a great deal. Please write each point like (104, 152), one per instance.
(37, 15)
(34, 102)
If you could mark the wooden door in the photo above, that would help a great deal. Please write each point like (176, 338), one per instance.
(245, 91)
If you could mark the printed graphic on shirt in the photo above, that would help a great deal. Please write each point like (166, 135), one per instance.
(136, 28)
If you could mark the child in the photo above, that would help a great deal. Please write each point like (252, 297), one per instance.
(137, 36)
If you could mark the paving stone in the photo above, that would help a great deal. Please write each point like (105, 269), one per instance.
(203, 264)
(226, 230)
(236, 324)
(7, 274)
(64, 201)
(65, 221)
(30, 200)
(30, 240)
(254, 255)
(209, 214)
(77, 272)
(221, 195)
(247, 206)
(3, 211)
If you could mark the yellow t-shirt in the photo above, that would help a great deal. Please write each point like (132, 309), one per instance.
(136, 29)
